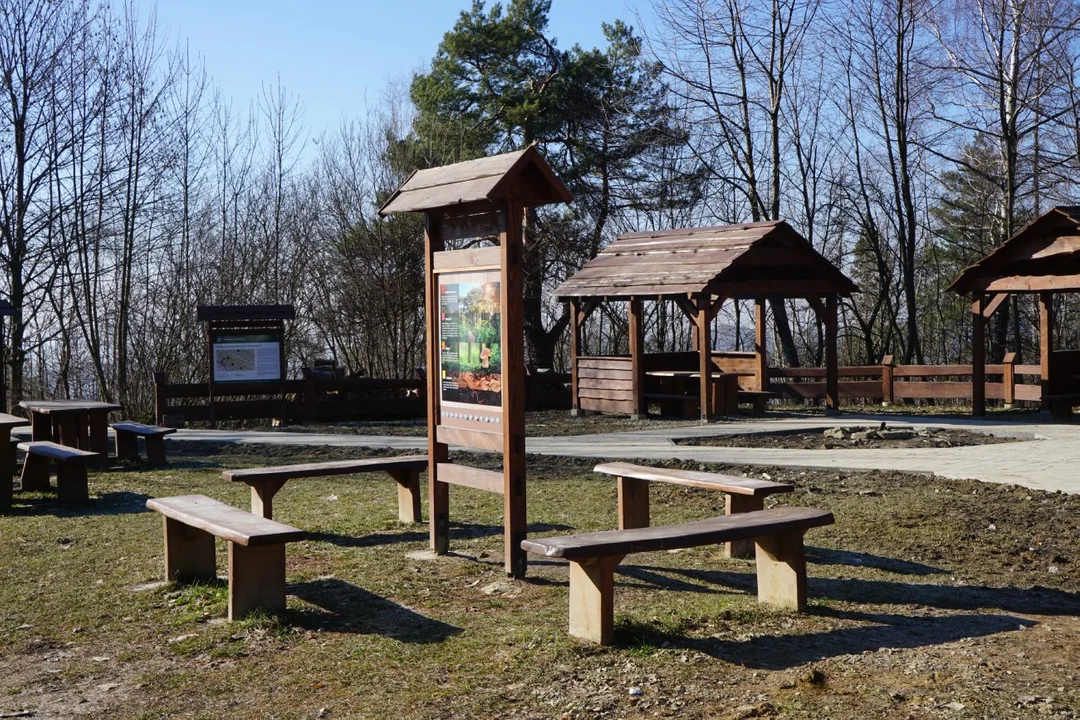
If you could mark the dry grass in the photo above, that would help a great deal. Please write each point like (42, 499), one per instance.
(915, 603)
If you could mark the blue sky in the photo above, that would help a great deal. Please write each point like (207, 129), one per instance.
(335, 53)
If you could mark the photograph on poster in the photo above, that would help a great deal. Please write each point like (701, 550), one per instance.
(470, 354)
(246, 358)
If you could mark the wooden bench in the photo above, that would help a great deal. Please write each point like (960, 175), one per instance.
(778, 535)
(742, 494)
(265, 482)
(675, 403)
(7, 457)
(256, 550)
(71, 484)
(127, 441)
(759, 399)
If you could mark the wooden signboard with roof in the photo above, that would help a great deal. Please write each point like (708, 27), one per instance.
(475, 333)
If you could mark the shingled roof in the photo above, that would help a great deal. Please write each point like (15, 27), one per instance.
(1045, 255)
(522, 175)
(743, 261)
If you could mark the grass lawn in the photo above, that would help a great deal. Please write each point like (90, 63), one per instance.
(928, 598)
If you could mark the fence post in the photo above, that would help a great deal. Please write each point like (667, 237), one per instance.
(160, 400)
(886, 381)
(1008, 378)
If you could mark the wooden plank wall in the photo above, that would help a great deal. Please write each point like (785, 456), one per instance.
(605, 384)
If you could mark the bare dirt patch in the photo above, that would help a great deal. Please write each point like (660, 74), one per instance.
(846, 438)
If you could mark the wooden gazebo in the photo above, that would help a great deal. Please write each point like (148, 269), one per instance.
(698, 269)
(1043, 258)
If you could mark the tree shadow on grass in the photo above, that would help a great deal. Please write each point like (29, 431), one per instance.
(779, 652)
(343, 607)
(109, 503)
(458, 532)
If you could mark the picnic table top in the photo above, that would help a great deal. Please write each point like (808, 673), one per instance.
(49, 407)
(11, 421)
(695, 373)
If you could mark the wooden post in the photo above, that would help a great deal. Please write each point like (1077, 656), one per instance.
(887, 381)
(1008, 379)
(592, 598)
(978, 356)
(742, 504)
(35, 473)
(7, 465)
(161, 402)
(1046, 344)
(637, 367)
(575, 351)
(189, 553)
(832, 369)
(633, 495)
(256, 579)
(408, 493)
(705, 366)
(262, 497)
(515, 560)
(761, 356)
(781, 571)
(438, 492)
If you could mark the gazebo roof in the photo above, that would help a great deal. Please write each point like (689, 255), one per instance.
(1045, 255)
(522, 175)
(738, 261)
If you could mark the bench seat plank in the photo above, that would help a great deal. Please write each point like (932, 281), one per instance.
(141, 429)
(322, 469)
(759, 523)
(693, 478)
(224, 521)
(56, 451)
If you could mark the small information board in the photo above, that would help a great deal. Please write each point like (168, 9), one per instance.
(246, 358)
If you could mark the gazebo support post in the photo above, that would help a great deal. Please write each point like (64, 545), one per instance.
(575, 350)
(704, 311)
(978, 355)
(438, 492)
(637, 366)
(761, 362)
(1046, 344)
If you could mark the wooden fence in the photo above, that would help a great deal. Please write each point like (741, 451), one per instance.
(317, 399)
(890, 383)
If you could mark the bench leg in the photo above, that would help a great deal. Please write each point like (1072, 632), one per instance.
(127, 445)
(7, 473)
(35, 473)
(155, 450)
(781, 571)
(408, 495)
(262, 497)
(760, 402)
(633, 503)
(189, 553)
(741, 504)
(71, 485)
(592, 598)
(256, 579)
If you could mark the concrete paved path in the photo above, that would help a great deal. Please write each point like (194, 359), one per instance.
(1049, 459)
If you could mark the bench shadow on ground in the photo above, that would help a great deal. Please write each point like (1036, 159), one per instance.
(342, 607)
(419, 533)
(877, 629)
(109, 503)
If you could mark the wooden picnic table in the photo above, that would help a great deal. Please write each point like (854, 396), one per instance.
(7, 456)
(680, 387)
(82, 424)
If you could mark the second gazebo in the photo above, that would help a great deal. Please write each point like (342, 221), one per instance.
(698, 269)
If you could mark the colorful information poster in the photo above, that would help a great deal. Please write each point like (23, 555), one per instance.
(470, 357)
(247, 358)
